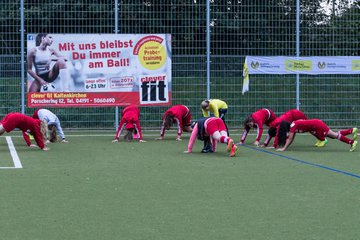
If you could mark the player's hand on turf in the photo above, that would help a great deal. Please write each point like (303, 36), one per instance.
(142, 141)
(115, 140)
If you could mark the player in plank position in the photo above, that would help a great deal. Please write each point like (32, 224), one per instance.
(317, 128)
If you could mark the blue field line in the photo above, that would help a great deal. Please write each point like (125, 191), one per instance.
(304, 162)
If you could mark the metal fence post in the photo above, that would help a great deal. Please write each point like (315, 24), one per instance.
(116, 32)
(208, 49)
(297, 52)
(22, 30)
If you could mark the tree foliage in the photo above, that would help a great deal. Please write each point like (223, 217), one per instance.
(238, 27)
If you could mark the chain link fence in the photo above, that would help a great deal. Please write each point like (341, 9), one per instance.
(204, 63)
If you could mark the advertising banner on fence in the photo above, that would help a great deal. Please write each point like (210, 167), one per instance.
(299, 65)
(71, 70)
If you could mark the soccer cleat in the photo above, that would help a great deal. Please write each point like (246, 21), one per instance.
(207, 150)
(322, 143)
(354, 132)
(234, 150)
(229, 145)
(353, 146)
(317, 142)
(31, 136)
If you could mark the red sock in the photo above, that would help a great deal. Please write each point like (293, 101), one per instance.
(345, 139)
(346, 132)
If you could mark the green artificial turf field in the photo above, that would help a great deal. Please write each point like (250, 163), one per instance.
(92, 188)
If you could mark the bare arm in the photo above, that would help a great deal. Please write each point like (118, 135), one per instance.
(192, 139)
(289, 140)
(244, 134)
(57, 54)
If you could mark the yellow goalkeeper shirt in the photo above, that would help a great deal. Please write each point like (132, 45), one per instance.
(215, 105)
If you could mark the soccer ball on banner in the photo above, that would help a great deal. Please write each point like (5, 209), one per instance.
(47, 88)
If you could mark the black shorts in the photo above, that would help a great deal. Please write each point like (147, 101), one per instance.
(46, 78)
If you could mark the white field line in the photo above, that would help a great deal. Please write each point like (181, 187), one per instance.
(14, 155)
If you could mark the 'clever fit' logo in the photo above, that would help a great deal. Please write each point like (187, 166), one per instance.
(153, 89)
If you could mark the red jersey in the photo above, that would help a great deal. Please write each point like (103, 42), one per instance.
(290, 116)
(36, 114)
(129, 120)
(315, 126)
(181, 115)
(260, 117)
(26, 124)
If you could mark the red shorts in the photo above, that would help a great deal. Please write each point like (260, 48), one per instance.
(9, 122)
(316, 127)
(214, 124)
(321, 131)
(187, 120)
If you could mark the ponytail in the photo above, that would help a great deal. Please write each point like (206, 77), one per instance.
(283, 131)
(43, 129)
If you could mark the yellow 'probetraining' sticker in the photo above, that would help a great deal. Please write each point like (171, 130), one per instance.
(152, 55)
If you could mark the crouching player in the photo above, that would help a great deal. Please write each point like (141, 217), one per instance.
(179, 115)
(27, 125)
(130, 121)
(53, 123)
(216, 129)
(257, 120)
